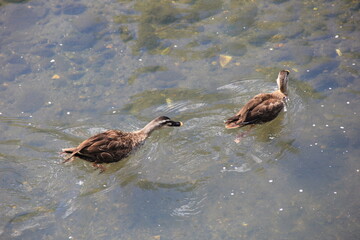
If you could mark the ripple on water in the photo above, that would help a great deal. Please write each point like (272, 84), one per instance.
(190, 207)
(179, 106)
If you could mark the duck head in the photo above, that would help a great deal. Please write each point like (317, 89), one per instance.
(160, 122)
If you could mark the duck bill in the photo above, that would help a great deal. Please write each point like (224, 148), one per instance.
(174, 124)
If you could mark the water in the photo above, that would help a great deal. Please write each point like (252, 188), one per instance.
(72, 69)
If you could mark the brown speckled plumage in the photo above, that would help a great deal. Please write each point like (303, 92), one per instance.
(114, 145)
(262, 108)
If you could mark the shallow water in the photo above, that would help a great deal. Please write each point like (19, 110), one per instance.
(72, 69)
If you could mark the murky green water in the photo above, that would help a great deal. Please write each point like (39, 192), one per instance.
(70, 69)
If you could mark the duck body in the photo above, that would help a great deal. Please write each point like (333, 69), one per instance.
(262, 108)
(107, 147)
(114, 145)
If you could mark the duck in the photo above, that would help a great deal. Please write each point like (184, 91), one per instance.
(114, 145)
(263, 107)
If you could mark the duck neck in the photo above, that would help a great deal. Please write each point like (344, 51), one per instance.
(283, 89)
(279, 94)
(282, 84)
(146, 131)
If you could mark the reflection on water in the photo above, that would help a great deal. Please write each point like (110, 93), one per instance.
(70, 70)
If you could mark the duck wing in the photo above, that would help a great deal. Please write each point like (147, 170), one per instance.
(261, 108)
(106, 147)
(265, 111)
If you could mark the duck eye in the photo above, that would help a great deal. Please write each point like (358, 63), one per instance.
(168, 123)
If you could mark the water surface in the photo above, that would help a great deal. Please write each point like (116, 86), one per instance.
(73, 69)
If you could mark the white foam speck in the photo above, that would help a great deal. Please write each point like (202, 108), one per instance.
(80, 183)
(243, 168)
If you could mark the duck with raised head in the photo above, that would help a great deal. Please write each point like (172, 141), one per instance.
(114, 145)
(262, 108)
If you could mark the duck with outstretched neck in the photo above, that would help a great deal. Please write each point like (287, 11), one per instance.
(114, 145)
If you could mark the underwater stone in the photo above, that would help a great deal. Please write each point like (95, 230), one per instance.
(260, 38)
(78, 42)
(320, 66)
(43, 52)
(302, 54)
(22, 17)
(293, 30)
(16, 59)
(278, 1)
(74, 9)
(11, 71)
(30, 101)
(89, 22)
(75, 75)
(234, 49)
(241, 19)
(62, 64)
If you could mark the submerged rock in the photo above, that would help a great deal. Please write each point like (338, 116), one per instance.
(22, 17)
(260, 38)
(89, 22)
(234, 48)
(74, 9)
(78, 42)
(241, 19)
(31, 100)
(9, 72)
(321, 65)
